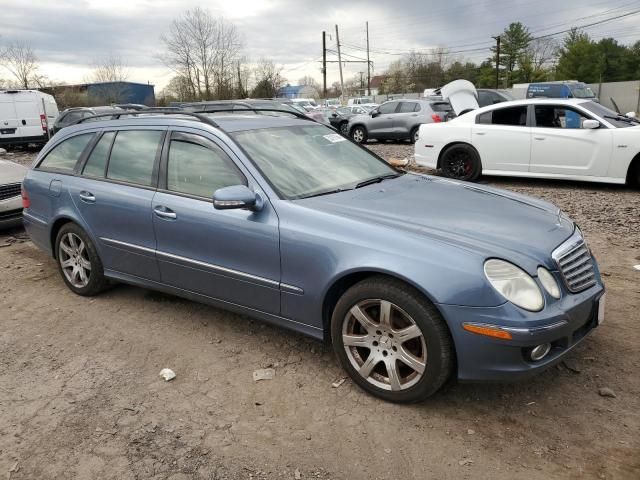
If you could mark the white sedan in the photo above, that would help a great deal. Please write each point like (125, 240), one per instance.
(569, 139)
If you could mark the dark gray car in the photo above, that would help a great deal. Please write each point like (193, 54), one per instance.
(397, 120)
(70, 116)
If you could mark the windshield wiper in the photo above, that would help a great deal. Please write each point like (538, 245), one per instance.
(622, 118)
(328, 192)
(377, 179)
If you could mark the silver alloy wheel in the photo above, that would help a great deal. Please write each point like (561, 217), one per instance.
(358, 135)
(74, 260)
(384, 344)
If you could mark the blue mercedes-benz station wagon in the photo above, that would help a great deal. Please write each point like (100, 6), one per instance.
(412, 278)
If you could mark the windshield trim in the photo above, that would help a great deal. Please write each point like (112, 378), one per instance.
(275, 189)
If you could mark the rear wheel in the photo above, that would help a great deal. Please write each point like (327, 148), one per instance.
(633, 177)
(461, 162)
(78, 261)
(414, 135)
(391, 340)
(359, 134)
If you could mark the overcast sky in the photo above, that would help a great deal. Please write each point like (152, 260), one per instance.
(69, 36)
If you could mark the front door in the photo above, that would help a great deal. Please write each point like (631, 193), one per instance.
(503, 139)
(114, 198)
(381, 126)
(229, 255)
(560, 145)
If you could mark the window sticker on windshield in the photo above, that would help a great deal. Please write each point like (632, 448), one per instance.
(334, 137)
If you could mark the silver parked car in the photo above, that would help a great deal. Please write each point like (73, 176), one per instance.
(11, 175)
(397, 120)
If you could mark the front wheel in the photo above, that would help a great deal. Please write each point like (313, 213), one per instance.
(344, 128)
(78, 261)
(461, 162)
(359, 134)
(391, 340)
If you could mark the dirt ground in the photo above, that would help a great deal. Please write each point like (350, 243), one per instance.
(80, 395)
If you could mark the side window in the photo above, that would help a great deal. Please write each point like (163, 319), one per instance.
(406, 107)
(483, 99)
(97, 162)
(133, 156)
(515, 116)
(484, 118)
(549, 116)
(66, 154)
(386, 108)
(197, 166)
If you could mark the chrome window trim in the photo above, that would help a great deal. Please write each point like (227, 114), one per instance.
(215, 268)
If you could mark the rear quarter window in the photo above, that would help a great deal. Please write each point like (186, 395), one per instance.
(64, 156)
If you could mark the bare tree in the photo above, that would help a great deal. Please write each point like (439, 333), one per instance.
(21, 61)
(268, 78)
(205, 51)
(109, 73)
(309, 81)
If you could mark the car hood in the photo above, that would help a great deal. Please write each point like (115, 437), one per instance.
(462, 96)
(11, 172)
(483, 220)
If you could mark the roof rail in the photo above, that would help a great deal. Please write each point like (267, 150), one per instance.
(117, 115)
(250, 108)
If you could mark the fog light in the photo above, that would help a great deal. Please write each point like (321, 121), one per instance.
(539, 352)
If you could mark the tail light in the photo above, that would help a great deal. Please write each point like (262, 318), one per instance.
(436, 118)
(26, 203)
(43, 122)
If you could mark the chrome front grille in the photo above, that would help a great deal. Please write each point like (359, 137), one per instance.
(575, 263)
(9, 191)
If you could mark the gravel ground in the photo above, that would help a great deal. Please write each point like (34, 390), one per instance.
(80, 395)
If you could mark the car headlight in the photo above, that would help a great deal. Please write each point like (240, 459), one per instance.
(548, 282)
(514, 284)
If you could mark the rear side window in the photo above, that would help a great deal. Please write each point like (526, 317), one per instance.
(97, 162)
(406, 107)
(198, 167)
(66, 154)
(133, 156)
(514, 116)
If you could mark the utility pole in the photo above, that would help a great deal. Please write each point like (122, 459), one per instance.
(340, 64)
(497, 61)
(324, 63)
(361, 82)
(368, 64)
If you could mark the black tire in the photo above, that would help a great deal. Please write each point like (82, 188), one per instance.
(434, 335)
(96, 281)
(462, 162)
(344, 128)
(633, 177)
(413, 136)
(359, 134)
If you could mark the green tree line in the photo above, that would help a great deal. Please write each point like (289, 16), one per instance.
(523, 59)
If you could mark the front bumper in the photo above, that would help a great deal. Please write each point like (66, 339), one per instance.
(563, 324)
(11, 212)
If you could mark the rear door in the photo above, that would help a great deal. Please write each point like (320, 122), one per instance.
(28, 108)
(8, 118)
(381, 126)
(503, 139)
(560, 145)
(229, 255)
(114, 197)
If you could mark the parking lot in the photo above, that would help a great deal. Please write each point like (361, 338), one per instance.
(80, 395)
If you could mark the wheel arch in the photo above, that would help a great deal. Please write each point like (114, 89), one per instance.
(357, 125)
(348, 279)
(633, 172)
(61, 221)
(453, 143)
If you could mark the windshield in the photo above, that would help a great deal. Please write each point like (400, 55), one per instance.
(302, 161)
(614, 118)
(582, 91)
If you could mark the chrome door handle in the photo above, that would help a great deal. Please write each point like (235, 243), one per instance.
(480, 133)
(87, 197)
(164, 212)
(539, 138)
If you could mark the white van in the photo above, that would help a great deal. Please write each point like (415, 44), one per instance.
(24, 116)
(359, 101)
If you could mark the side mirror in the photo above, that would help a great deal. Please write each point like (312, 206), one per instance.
(591, 124)
(630, 115)
(374, 113)
(334, 115)
(236, 196)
